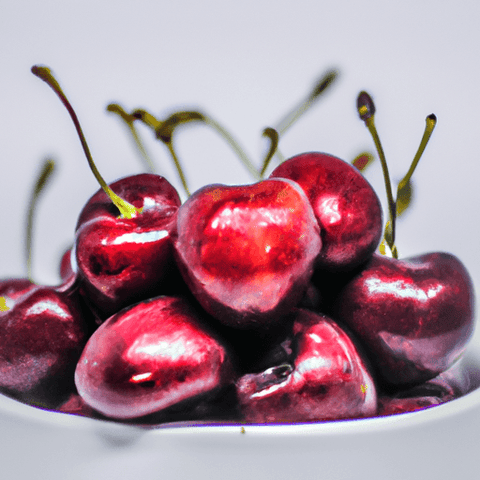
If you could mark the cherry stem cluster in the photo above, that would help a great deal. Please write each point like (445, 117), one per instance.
(126, 209)
(164, 129)
(164, 132)
(43, 178)
(366, 111)
(129, 121)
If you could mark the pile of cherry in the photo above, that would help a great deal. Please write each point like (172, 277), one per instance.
(262, 303)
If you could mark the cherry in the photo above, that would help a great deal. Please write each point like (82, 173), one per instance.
(42, 334)
(123, 251)
(345, 205)
(247, 252)
(415, 316)
(326, 378)
(150, 356)
(123, 260)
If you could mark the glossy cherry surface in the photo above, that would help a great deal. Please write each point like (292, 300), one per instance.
(42, 334)
(415, 316)
(346, 207)
(123, 260)
(326, 379)
(247, 252)
(149, 357)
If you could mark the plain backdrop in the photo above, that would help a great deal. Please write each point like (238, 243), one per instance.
(246, 64)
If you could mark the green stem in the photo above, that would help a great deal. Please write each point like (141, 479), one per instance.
(126, 209)
(320, 87)
(46, 171)
(129, 122)
(234, 145)
(272, 134)
(431, 122)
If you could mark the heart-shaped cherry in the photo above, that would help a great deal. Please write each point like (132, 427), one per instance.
(415, 316)
(149, 357)
(345, 205)
(124, 260)
(325, 379)
(247, 252)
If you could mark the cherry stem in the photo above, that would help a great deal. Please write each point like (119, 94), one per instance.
(165, 134)
(272, 134)
(234, 145)
(129, 122)
(431, 122)
(366, 110)
(126, 209)
(320, 87)
(43, 178)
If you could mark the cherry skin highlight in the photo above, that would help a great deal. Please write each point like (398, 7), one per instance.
(327, 379)
(151, 356)
(123, 260)
(414, 316)
(346, 207)
(247, 252)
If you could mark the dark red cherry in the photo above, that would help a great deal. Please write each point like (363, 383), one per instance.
(149, 357)
(327, 379)
(247, 252)
(345, 205)
(414, 316)
(12, 288)
(121, 261)
(42, 334)
(449, 385)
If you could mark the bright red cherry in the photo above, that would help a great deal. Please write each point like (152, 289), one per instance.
(247, 252)
(124, 260)
(345, 205)
(149, 357)
(326, 379)
(414, 316)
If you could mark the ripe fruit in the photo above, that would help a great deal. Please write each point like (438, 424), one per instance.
(345, 205)
(247, 252)
(122, 247)
(415, 316)
(149, 357)
(325, 379)
(42, 334)
(121, 261)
